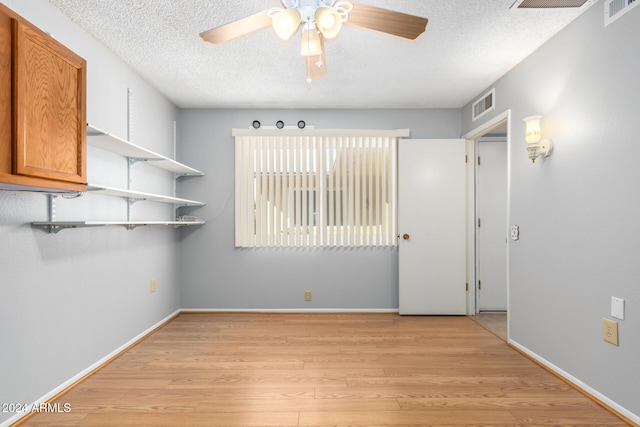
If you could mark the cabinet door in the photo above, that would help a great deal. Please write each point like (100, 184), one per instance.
(49, 108)
(6, 159)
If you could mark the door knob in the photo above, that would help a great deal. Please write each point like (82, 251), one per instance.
(405, 236)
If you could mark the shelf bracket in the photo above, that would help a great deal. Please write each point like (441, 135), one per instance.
(55, 229)
(133, 160)
(130, 162)
(51, 214)
(133, 201)
(129, 114)
(51, 207)
(130, 203)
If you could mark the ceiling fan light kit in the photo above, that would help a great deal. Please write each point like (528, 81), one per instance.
(285, 23)
(311, 43)
(321, 20)
(328, 22)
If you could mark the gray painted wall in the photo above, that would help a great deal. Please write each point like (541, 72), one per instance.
(215, 275)
(578, 210)
(69, 299)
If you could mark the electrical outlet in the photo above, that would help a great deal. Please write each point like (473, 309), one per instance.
(610, 331)
(515, 232)
(152, 286)
(307, 295)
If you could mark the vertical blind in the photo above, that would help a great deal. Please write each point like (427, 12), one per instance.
(306, 188)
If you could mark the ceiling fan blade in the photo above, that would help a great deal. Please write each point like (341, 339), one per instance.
(236, 29)
(387, 21)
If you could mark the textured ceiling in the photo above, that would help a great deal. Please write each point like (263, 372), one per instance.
(468, 45)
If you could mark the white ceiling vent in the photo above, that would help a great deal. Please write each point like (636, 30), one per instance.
(614, 9)
(482, 106)
(548, 4)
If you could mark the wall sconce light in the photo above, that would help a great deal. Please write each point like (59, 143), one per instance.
(536, 146)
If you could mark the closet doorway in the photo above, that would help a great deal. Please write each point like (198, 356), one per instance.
(491, 223)
(489, 253)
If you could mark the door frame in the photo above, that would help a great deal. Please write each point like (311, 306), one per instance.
(503, 119)
(476, 210)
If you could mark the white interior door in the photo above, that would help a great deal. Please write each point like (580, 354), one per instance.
(491, 236)
(432, 226)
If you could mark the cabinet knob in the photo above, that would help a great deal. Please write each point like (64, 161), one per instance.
(405, 236)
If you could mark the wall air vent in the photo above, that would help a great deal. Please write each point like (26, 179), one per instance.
(614, 9)
(486, 103)
(548, 4)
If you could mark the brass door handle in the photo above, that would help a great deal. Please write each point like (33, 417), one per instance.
(405, 236)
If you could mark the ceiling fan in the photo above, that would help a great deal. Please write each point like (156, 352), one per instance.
(321, 20)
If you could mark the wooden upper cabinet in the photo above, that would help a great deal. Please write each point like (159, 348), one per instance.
(46, 147)
(48, 107)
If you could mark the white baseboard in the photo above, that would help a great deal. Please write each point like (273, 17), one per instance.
(289, 310)
(88, 370)
(584, 387)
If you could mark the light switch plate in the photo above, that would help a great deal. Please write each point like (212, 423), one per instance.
(617, 308)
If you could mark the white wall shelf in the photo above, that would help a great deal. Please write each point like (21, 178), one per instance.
(140, 196)
(102, 139)
(133, 153)
(56, 226)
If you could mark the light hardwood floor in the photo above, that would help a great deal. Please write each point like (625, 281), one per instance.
(324, 370)
(495, 323)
